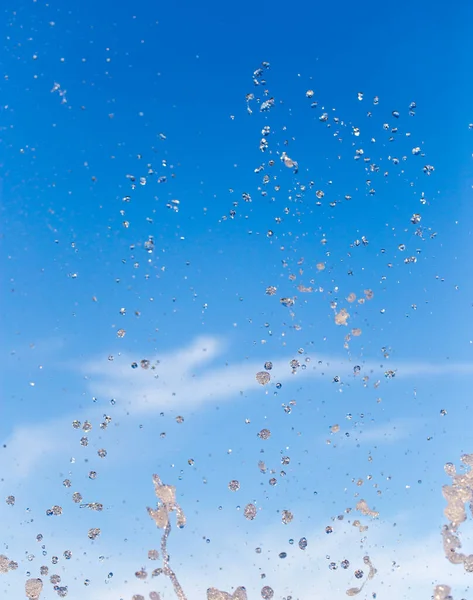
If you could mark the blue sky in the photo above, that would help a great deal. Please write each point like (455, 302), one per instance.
(92, 95)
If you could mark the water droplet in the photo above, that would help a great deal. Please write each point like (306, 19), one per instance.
(94, 533)
(358, 573)
(250, 511)
(264, 434)
(234, 485)
(263, 377)
(287, 517)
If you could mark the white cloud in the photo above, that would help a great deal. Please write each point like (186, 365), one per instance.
(29, 445)
(187, 377)
(182, 378)
(190, 377)
(408, 369)
(389, 432)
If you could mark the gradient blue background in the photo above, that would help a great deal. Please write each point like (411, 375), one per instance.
(132, 72)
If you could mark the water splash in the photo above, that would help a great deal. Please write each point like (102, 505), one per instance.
(166, 495)
(457, 496)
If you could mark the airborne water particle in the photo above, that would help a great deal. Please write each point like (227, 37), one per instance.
(234, 485)
(267, 593)
(250, 511)
(287, 517)
(55, 510)
(94, 533)
(363, 507)
(33, 588)
(142, 574)
(4, 563)
(264, 434)
(342, 317)
(287, 302)
(263, 377)
(442, 592)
